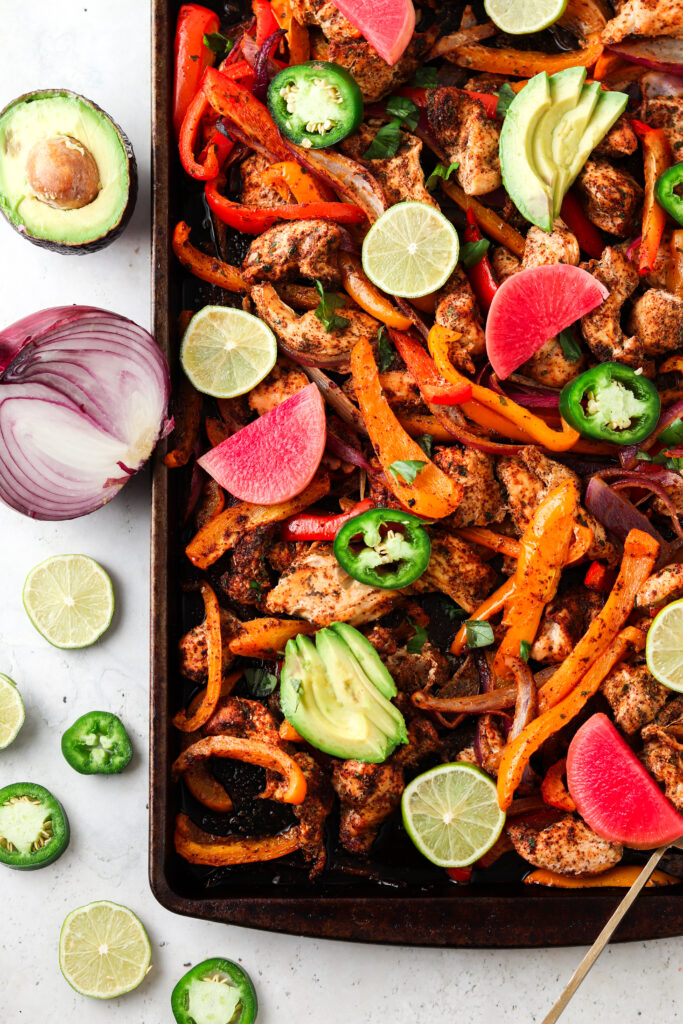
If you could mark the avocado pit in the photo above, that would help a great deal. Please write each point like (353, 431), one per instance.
(62, 172)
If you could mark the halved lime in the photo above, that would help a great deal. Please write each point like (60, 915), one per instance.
(104, 950)
(12, 712)
(451, 813)
(226, 352)
(664, 647)
(69, 599)
(519, 17)
(411, 250)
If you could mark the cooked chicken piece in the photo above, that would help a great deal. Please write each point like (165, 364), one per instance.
(568, 847)
(504, 263)
(491, 742)
(456, 570)
(313, 812)
(667, 726)
(634, 695)
(659, 275)
(551, 366)
(384, 640)
(248, 580)
(400, 176)
(620, 140)
(283, 553)
(192, 648)
(468, 136)
(663, 586)
(302, 248)
(423, 741)
(254, 192)
(412, 672)
(236, 716)
(375, 77)
(612, 197)
(666, 764)
(601, 328)
(468, 755)
(399, 388)
(483, 502)
(306, 334)
(282, 382)
(657, 319)
(542, 249)
(457, 309)
(317, 589)
(645, 18)
(666, 112)
(562, 626)
(486, 83)
(326, 16)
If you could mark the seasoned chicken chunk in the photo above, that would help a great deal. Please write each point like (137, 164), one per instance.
(317, 589)
(666, 764)
(248, 580)
(562, 625)
(634, 695)
(667, 726)
(313, 812)
(374, 76)
(568, 847)
(620, 140)
(307, 334)
(666, 112)
(456, 570)
(657, 319)
(400, 176)
(504, 263)
(645, 18)
(400, 391)
(612, 197)
(551, 366)
(468, 136)
(193, 651)
(542, 249)
(302, 248)
(254, 191)
(237, 716)
(601, 328)
(326, 16)
(283, 553)
(663, 586)
(491, 743)
(425, 668)
(283, 381)
(483, 501)
(457, 309)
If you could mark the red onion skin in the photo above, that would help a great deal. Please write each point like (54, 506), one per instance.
(659, 83)
(650, 53)
(32, 327)
(264, 69)
(346, 452)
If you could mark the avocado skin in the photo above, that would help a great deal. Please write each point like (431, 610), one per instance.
(95, 244)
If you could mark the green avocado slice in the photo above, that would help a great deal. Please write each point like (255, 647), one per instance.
(610, 107)
(567, 136)
(532, 196)
(565, 91)
(368, 658)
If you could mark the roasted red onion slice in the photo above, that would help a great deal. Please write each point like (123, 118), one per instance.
(662, 54)
(346, 452)
(344, 175)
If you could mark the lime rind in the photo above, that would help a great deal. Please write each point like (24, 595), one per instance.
(451, 813)
(12, 711)
(70, 600)
(104, 950)
(226, 352)
(664, 647)
(411, 250)
(522, 17)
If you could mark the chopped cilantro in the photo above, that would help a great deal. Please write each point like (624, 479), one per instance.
(505, 98)
(408, 469)
(259, 682)
(416, 643)
(440, 171)
(479, 634)
(473, 252)
(325, 312)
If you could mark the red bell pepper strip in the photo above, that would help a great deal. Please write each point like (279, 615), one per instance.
(191, 56)
(265, 20)
(599, 577)
(488, 100)
(435, 389)
(253, 220)
(656, 159)
(207, 166)
(308, 526)
(462, 875)
(587, 235)
(222, 145)
(247, 113)
(480, 275)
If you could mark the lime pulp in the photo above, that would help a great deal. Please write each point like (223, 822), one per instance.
(70, 600)
(411, 250)
(226, 352)
(104, 950)
(664, 647)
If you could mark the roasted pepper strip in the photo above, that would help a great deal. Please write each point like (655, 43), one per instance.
(434, 388)
(674, 279)
(480, 275)
(433, 494)
(199, 847)
(254, 220)
(487, 219)
(202, 785)
(544, 549)
(490, 607)
(265, 20)
(417, 424)
(214, 656)
(640, 555)
(211, 502)
(266, 638)
(309, 526)
(219, 535)
(621, 877)
(208, 168)
(288, 176)
(599, 577)
(292, 789)
(288, 733)
(516, 755)
(534, 427)
(205, 267)
(187, 413)
(553, 789)
(587, 235)
(656, 159)
(297, 34)
(369, 298)
(524, 63)
(510, 546)
(191, 56)
(245, 111)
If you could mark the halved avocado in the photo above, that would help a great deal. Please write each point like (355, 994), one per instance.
(68, 176)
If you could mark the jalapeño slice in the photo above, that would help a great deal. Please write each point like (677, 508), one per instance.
(34, 830)
(216, 991)
(316, 104)
(611, 402)
(97, 744)
(384, 547)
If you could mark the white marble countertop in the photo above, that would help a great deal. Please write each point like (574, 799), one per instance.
(101, 49)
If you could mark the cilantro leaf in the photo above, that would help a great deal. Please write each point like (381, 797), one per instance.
(450, 609)
(405, 110)
(473, 252)
(426, 443)
(259, 682)
(385, 350)
(416, 643)
(408, 470)
(218, 44)
(524, 650)
(570, 346)
(255, 585)
(505, 97)
(325, 312)
(479, 634)
(440, 171)
(385, 142)
(425, 78)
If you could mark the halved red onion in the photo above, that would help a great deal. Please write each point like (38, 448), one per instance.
(83, 401)
(620, 516)
(661, 54)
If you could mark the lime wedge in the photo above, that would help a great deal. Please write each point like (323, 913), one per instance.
(519, 17)
(411, 250)
(664, 648)
(12, 712)
(226, 352)
(104, 950)
(69, 599)
(451, 813)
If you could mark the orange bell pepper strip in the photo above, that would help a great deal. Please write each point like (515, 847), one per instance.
(288, 176)
(433, 494)
(207, 268)
(553, 789)
(225, 529)
(363, 292)
(297, 35)
(486, 538)
(494, 423)
(266, 638)
(490, 607)
(524, 63)
(543, 553)
(187, 411)
(487, 219)
(621, 877)
(433, 387)
(292, 789)
(516, 755)
(199, 847)
(439, 342)
(214, 656)
(417, 424)
(201, 783)
(640, 554)
(288, 733)
(656, 159)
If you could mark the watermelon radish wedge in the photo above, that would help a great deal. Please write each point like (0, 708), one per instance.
(613, 792)
(388, 25)
(534, 305)
(276, 456)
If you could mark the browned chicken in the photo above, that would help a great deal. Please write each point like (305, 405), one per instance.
(663, 586)
(193, 652)
(504, 263)
(457, 570)
(237, 716)
(282, 382)
(645, 18)
(612, 197)
(661, 269)
(491, 742)
(666, 764)
(568, 847)
(562, 626)
(400, 390)
(411, 672)
(468, 136)
(283, 553)
(457, 309)
(401, 176)
(657, 319)
(601, 328)
(254, 191)
(307, 334)
(302, 248)
(667, 726)
(375, 77)
(620, 140)
(542, 249)
(483, 501)
(634, 695)
(326, 16)
(313, 812)
(666, 112)
(248, 581)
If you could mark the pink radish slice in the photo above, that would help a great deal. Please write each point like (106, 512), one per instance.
(614, 793)
(276, 456)
(534, 305)
(388, 25)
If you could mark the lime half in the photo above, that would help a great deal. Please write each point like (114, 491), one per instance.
(226, 352)
(451, 813)
(411, 250)
(12, 712)
(519, 17)
(104, 950)
(664, 648)
(69, 599)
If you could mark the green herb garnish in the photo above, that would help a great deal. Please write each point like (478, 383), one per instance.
(407, 469)
(218, 44)
(416, 643)
(479, 634)
(473, 252)
(440, 171)
(325, 312)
